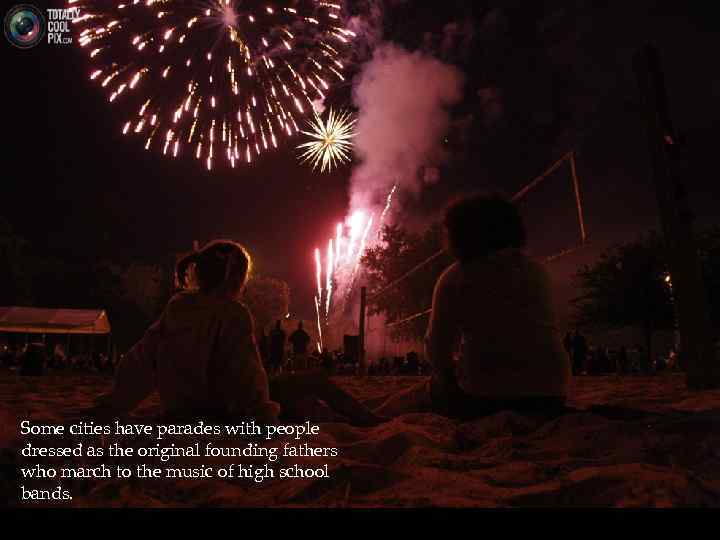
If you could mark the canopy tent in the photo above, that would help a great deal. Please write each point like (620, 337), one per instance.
(53, 321)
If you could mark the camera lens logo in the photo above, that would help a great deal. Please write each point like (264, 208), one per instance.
(24, 26)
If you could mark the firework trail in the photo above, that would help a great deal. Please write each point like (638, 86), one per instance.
(319, 326)
(329, 277)
(318, 273)
(331, 141)
(223, 77)
(385, 211)
(361, 250)
(318, 297)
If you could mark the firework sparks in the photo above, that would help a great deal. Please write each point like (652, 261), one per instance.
(385, 210)
(329, 277)
(318, 296)
(319, 325)
(225, 77)
(355, 227)
(330, 143)
(363, 242)
(338, 240)
(343, 258)
(318, 273)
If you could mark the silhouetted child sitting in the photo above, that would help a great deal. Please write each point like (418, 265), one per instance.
(202, 358)
(491, 341)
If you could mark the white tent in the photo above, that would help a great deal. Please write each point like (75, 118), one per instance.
(53, 321)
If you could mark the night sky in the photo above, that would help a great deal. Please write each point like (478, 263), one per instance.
(539, 82)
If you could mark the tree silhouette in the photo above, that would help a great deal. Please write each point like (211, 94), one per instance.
(268, 299)
(399, 252)
(15, 283)
(629, 285)
(709, 253)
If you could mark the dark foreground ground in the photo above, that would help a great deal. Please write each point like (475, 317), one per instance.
(635, 442)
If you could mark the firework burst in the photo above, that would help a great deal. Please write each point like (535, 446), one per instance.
(222, 77)
(331, 141)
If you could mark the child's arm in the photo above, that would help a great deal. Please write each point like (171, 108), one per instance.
(243, 381)
(135, 378)
(442, 332)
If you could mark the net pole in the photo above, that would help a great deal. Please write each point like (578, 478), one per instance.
(703, 367)
(363, 307)
(578, 201)
(529, 187)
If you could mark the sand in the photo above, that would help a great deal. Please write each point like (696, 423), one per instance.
(632, 442)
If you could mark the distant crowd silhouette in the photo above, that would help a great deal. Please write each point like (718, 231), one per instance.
(603, 360)
(35, 358)
(492, 341)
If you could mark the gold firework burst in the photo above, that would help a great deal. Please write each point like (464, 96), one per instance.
(331, 141)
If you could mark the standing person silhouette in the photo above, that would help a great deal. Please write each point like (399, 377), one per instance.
(579, 353)
(277, 348)
(300, 340)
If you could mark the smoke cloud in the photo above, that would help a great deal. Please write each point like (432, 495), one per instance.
(368, 27)
(403, 100)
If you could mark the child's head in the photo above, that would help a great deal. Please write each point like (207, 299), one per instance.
(482, 224)
(221, 266)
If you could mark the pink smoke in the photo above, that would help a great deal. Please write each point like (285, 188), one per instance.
(403, 100)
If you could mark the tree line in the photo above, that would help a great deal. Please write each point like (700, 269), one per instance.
(133, 293)
(626, 286)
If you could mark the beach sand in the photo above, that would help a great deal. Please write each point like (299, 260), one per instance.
(631, 442)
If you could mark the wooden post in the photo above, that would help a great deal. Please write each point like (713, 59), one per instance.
(703, 371)
(363, 308)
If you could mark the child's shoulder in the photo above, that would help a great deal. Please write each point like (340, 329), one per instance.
(239, 313)
(238, 308)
